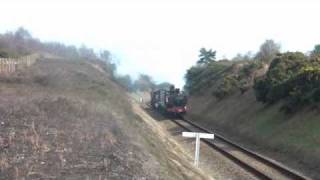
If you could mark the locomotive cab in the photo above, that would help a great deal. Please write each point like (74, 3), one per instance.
(172, 101)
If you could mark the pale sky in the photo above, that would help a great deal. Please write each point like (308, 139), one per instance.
(161, 37)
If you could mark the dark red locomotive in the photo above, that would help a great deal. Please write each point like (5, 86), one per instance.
(171, 101)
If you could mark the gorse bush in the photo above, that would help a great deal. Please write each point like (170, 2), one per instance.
(281, 69)
(249, 68)
(222, 77)
(225, 77)
(303, 89)
(227, 87)
(291, 77)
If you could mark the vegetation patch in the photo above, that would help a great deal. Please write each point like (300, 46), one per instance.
(291, 77)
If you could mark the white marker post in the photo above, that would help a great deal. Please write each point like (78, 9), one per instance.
(197, 136)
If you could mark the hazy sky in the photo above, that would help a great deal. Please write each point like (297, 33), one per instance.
(162, 38)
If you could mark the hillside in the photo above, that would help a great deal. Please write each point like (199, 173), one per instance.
(65, 119)
(291, 137)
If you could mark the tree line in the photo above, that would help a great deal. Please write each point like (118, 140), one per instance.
(291, 77)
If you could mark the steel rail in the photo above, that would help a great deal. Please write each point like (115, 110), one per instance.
(291, 174)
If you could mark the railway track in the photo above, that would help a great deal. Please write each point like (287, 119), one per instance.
(258, 165)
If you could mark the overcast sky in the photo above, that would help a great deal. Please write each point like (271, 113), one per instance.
(162, 38)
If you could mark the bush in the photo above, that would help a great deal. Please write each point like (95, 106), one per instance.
(293, 78)
(4, 54)
(261, 88)
(228, 86)
(201, 77)
(223, 77)
(249, 68)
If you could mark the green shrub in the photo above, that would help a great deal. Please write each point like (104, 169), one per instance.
(227, 87)
(261, 88)
(293, 78)
(249, 68)
(202, 77)
(4, 54)
(223, 77)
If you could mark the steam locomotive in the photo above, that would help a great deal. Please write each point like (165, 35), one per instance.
(172, 101)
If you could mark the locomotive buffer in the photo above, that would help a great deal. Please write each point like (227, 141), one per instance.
(197, 135)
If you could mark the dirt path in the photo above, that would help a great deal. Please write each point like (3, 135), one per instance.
(211, 163)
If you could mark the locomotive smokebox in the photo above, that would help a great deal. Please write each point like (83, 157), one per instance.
(171, 101)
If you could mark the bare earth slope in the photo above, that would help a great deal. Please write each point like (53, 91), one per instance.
(290, 138)
(66, 120)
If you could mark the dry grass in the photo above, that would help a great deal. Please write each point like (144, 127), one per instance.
(66, 119)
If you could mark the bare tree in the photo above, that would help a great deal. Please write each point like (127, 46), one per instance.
(243, 57)
(268, 50)
(22, 33)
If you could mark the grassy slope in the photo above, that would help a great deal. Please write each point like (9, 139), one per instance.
(66, 119)
(293, 138)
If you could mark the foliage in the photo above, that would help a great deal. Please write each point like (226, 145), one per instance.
(261, 88)
(249, 68)
(228, 85)
(268, 50)
(243, 57)
(206, 56)
(192, 74)
(224, 77)
(144, 83)
(125, 81)
(4, 54)
(110, 65)
(291, 77)
(237, 79)
(281, 69)
(316, 49)
(201, 77)
(304, 89)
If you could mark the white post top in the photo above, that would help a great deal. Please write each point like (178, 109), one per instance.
(198, 136)
(201, 135)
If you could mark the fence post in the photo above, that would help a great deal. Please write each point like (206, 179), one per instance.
(10, 65)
